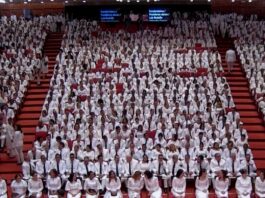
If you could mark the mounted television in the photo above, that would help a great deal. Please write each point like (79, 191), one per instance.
(158, 15)
(110, 15)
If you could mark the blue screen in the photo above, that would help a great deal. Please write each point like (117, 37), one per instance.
(109, 15)
(158, 15)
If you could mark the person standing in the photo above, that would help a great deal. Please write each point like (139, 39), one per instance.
(230, 58)
(18, 143)
(3, 188)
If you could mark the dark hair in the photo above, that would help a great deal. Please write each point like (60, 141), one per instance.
(55, 172)
(71, 177)
(201, 172)
(180, 171)
(148, 174)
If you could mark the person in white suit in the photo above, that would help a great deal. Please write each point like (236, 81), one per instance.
(202, 185)
(179, 184)
(221, 184)
(73, 187)
(3, 188)
(92, 185)
(243, 185)
(135, 185)
(230, 58)
(152, 185)
(35, 186)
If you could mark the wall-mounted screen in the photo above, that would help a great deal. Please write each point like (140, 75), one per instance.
(110, 15)
(158, 15)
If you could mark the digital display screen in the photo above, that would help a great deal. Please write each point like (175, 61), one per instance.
(158, 15)
(110, 15)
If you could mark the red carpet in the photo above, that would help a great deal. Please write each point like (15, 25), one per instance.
(245, 105)
(31, 108)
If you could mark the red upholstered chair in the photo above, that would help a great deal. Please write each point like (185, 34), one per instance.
(202, 71)
(126, 74)
(116, 69)
(228, 109)
(117, 61)
(119, 88)
(198, 45)
(95, 34)
(82, 98)
(151, 134)
(41, 134)
(74, 86)
(124, 65)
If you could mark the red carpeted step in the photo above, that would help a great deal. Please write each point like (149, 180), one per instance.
(34, 109)
(8, 177)
(249, 114)
(26, 116)
(244, 101)
(27, 123)
(257, 145)
(254, 128)
(258, 154)
(4, 158)
(42, 81)
(236, 83)
(245, 107)
(235, 78)
(36, 97)
(239, 89)
(29, 130)
(252, 120)
(42, 86)
(33, 103)
(241, 95)
(260, 164)
(12, 168)
(258, 137)
(41, 90)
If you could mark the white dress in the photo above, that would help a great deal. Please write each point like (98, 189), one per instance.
(178, 187)
(202, 188)
(92, 184)
(260, 187)
(152, 185)
(73, 188)
(113, 186)
(19, 188)
(53, 184)
(243, 187)
(221, 187)
(135, 187)
(35, 187)
(3, 189)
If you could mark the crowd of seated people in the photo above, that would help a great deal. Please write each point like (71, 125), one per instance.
(21, 59)
(119, 106)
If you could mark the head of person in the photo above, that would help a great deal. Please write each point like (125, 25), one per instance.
(202, 174)
(148, 174)
(53, 173)
(112, 175)
(136, 175)
(18, 177)
(180, 173)
(72, 177)
(243, 173)
(35, 176)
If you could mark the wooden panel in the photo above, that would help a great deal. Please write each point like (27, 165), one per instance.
(37, 9)
(239, 6)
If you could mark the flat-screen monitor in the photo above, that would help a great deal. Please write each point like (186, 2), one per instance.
(158, 15)
(110, 15)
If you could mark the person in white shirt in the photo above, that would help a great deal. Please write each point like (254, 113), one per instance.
(113, 186)
(179, 184)
(73, 187)
(35, 186)
(230, 58)
(221, 184)
(18, 141)
(3, 188)
(260, 185)
(202, 185)
(152, 185)
(19, 187)
(92, 185)
(135, 185)
(243, 185)
(53, 184)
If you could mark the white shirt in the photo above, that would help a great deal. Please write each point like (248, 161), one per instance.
(35, 186)
(73, 187)
(3, 188)
(230, 55)
(53, 184)
(19, 187)
(243, 185)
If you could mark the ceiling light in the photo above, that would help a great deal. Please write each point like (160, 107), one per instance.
(51, 0)
(84, 1)
(209, 0)
(233, 1)
(137, 1)
(66, 2)
(25, 2)
(2, 1)
(249, 1)
(191, 0)
(42, 2)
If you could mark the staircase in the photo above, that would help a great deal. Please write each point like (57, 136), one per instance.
(245, 104)
(31, 107)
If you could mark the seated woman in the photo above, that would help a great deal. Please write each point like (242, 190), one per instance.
(53, 184)
(260, 185)
(152, 185)
(92, 185)
(221, 184)
(35, 186)
(19, 187)
(113, 186)
(3, 188)
(202, 185)
(135, 185)
(243, 185)
(73, 187)
(179, 184)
